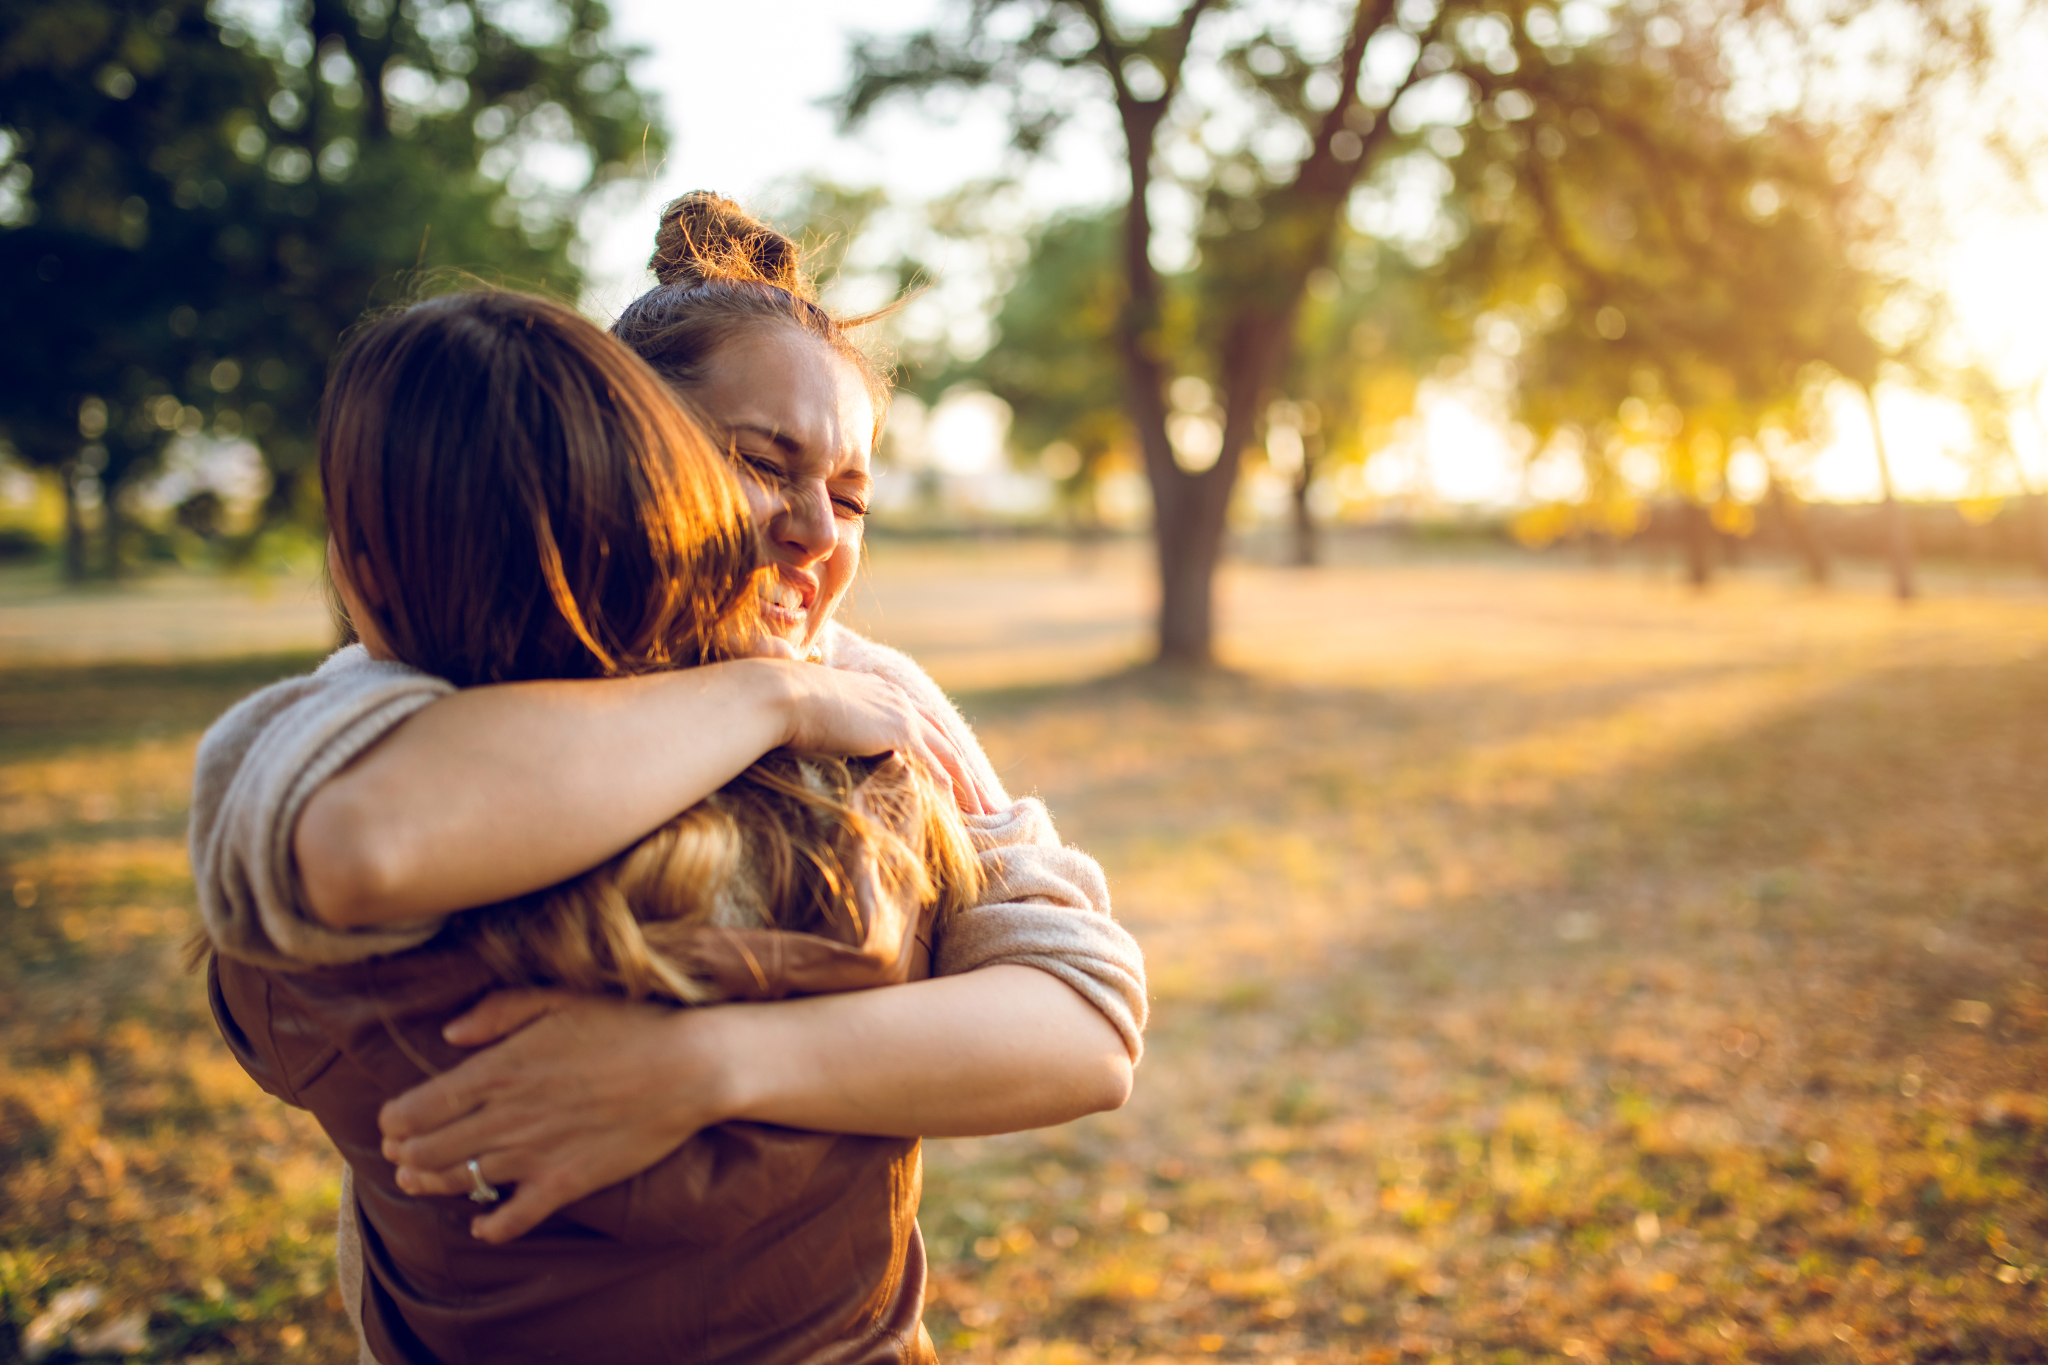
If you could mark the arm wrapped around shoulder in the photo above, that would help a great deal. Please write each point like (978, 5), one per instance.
(257, 768)
(1046, 905)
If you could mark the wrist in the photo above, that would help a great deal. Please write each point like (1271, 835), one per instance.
(776, 686)
(705, 1061)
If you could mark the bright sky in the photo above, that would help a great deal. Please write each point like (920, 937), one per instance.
(745, 125)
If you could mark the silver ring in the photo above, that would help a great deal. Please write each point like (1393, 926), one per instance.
(485, 1192)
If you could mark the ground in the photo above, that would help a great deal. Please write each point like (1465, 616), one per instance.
(1548, 962)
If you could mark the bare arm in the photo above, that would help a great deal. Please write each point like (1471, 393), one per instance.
(587, 1092)
(497, 791)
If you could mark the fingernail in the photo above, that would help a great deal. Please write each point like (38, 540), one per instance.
(407, 1181)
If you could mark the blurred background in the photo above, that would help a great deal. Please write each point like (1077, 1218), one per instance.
(1585, 465)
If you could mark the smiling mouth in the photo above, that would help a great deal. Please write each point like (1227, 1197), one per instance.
(785, 604)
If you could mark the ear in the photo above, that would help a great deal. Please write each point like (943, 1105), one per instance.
(360, 597)
(348, 574)
(364, 582)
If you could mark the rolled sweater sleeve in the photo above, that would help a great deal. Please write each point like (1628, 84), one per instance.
(1044, 904)
(257, 768)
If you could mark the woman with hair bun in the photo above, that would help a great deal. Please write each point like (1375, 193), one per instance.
(1034, 1010)
(514, 498)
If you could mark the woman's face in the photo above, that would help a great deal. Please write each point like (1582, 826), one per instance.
(800, 421)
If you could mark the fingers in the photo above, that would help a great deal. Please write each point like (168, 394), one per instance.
(453, 1095)
(933, 766)
(498, 1014)
(426, 1107)
(530, 1205)
(454, 1180)
(449, 1145)
(947, 762)
(853, 713)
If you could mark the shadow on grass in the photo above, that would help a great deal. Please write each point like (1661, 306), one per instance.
(48, 709)
(1692, 987)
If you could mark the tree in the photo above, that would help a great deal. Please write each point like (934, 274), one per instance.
(1272, 125)
(1369, 332)
(195, 202)
(1685, 284)
(1676, 285)
(1051, 359)
(1279, 225)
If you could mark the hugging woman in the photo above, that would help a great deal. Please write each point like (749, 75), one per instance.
(341, 820)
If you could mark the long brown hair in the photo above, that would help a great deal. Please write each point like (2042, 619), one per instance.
(526, 499)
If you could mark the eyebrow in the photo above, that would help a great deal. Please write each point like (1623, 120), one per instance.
(779, 439)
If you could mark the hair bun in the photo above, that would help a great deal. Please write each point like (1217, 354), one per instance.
(705, 237)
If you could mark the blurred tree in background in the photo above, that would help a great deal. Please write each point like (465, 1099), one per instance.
(195, 200)
(1050, 359)
(1273, 121)
(1675, 291)
(1370, 331)
(1687, 289)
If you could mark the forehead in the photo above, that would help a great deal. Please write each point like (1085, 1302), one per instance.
(797, 389)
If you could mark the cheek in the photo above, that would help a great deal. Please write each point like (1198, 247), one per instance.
(762, 502)
(836, 573)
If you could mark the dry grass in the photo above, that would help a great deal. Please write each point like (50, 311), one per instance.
(1548, 965)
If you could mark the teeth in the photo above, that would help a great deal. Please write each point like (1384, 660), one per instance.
(780, 594)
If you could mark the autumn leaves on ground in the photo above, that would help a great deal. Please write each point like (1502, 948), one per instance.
(1548, 964)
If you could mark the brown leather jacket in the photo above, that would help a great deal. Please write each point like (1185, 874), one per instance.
(749, 1243)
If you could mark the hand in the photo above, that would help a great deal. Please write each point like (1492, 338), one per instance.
(838, 712)
(582, 1092)
(968, 792)
(753, 640)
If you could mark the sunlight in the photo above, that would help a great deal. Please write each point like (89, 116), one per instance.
(1998, 282)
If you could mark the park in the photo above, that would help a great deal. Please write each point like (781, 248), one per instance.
(1547, 961)
(1516, 533)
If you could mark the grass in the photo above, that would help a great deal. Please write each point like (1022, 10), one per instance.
(1548, 966)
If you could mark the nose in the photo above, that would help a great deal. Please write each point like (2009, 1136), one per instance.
(804, 528)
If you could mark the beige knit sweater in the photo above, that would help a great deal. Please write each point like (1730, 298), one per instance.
(1044, 905)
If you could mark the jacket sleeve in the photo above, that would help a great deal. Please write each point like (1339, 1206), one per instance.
(1044, 905)
(257, 768)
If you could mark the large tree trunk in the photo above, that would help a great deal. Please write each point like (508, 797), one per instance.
(1189, 510)
(1898, 533)
(1194, 508)
(1188, 553)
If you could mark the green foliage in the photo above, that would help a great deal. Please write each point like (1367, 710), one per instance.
(1726, 253)
(1365, 337)
(1368, 334)
(198, 200)
(1053, 360)
(1677, 287)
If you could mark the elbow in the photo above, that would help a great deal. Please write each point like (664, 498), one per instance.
(347, 868)
(1109, 1085)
